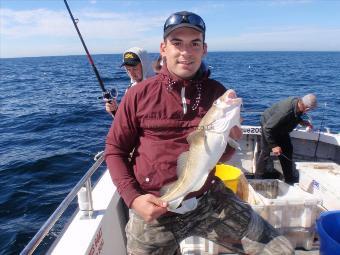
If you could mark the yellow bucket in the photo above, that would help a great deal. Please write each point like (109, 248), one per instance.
(230, 175)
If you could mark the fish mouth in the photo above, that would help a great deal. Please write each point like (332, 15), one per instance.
(234, 101)
(228, 103)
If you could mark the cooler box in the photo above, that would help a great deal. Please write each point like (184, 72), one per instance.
(323, 180)
(289, 209)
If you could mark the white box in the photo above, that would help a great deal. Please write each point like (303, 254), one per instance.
(321, 179)
(290, 210)
(200, 246)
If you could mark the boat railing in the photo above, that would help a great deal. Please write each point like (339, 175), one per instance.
(83, 186)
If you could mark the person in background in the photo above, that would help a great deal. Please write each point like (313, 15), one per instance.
(156, 118)
(276, 124)
(157, 64)
(138, 67)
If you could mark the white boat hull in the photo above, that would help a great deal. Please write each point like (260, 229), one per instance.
(104, 233)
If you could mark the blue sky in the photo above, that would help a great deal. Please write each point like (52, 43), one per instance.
(44, 28)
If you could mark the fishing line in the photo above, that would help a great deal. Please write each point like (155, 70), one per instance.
(321, 126)
(282, 154)
(286, 157)
(110, 96)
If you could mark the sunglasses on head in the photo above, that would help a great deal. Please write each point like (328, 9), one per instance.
(191, 18)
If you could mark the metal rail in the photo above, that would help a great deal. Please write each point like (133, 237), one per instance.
(85, 181)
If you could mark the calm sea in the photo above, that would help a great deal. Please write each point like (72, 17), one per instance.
(52, 122)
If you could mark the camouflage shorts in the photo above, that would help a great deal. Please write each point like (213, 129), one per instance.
(220, 217)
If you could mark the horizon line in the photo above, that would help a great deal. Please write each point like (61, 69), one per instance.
(212, 51)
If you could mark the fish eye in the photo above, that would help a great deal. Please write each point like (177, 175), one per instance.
(217, 101)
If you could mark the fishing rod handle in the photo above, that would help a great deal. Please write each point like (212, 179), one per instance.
(110, 99)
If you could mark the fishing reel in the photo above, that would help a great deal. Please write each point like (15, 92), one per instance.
(109, 95)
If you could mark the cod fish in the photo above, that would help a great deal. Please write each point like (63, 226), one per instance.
(207, 144)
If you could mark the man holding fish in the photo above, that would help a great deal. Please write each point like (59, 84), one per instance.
(178, 124)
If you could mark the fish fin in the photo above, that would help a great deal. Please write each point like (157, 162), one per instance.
(194, 135)
(200, 183)
(234, 144)
(219, 125)
(166, 188)
(175, 203)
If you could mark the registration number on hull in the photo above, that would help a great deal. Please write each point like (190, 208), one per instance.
(249, 130)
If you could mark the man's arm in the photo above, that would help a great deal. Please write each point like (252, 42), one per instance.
(120, 142)
(273, 124)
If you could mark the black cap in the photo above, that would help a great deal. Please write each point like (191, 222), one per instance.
(183, 19)
(130, 59)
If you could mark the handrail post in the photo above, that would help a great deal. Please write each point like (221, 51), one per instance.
(85, 200)
(89, 197)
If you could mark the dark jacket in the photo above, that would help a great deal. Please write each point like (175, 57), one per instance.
(150, 119)
(280, 119)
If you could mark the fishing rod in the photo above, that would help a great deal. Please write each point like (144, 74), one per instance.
(107, 94)
(319, 134)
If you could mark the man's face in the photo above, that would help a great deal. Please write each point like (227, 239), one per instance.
(135, 72)
(302, 108)
(183, 50)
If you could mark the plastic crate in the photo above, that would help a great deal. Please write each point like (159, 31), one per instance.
(289, 209)
(199, 246)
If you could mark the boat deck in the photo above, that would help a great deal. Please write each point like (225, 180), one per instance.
(105, 233)
(200, 246)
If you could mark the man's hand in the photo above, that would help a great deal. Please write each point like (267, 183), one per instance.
(236, 133)
(307, 124)
(111, 106)
(309, 127)
(277, 150)
(149, 207)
